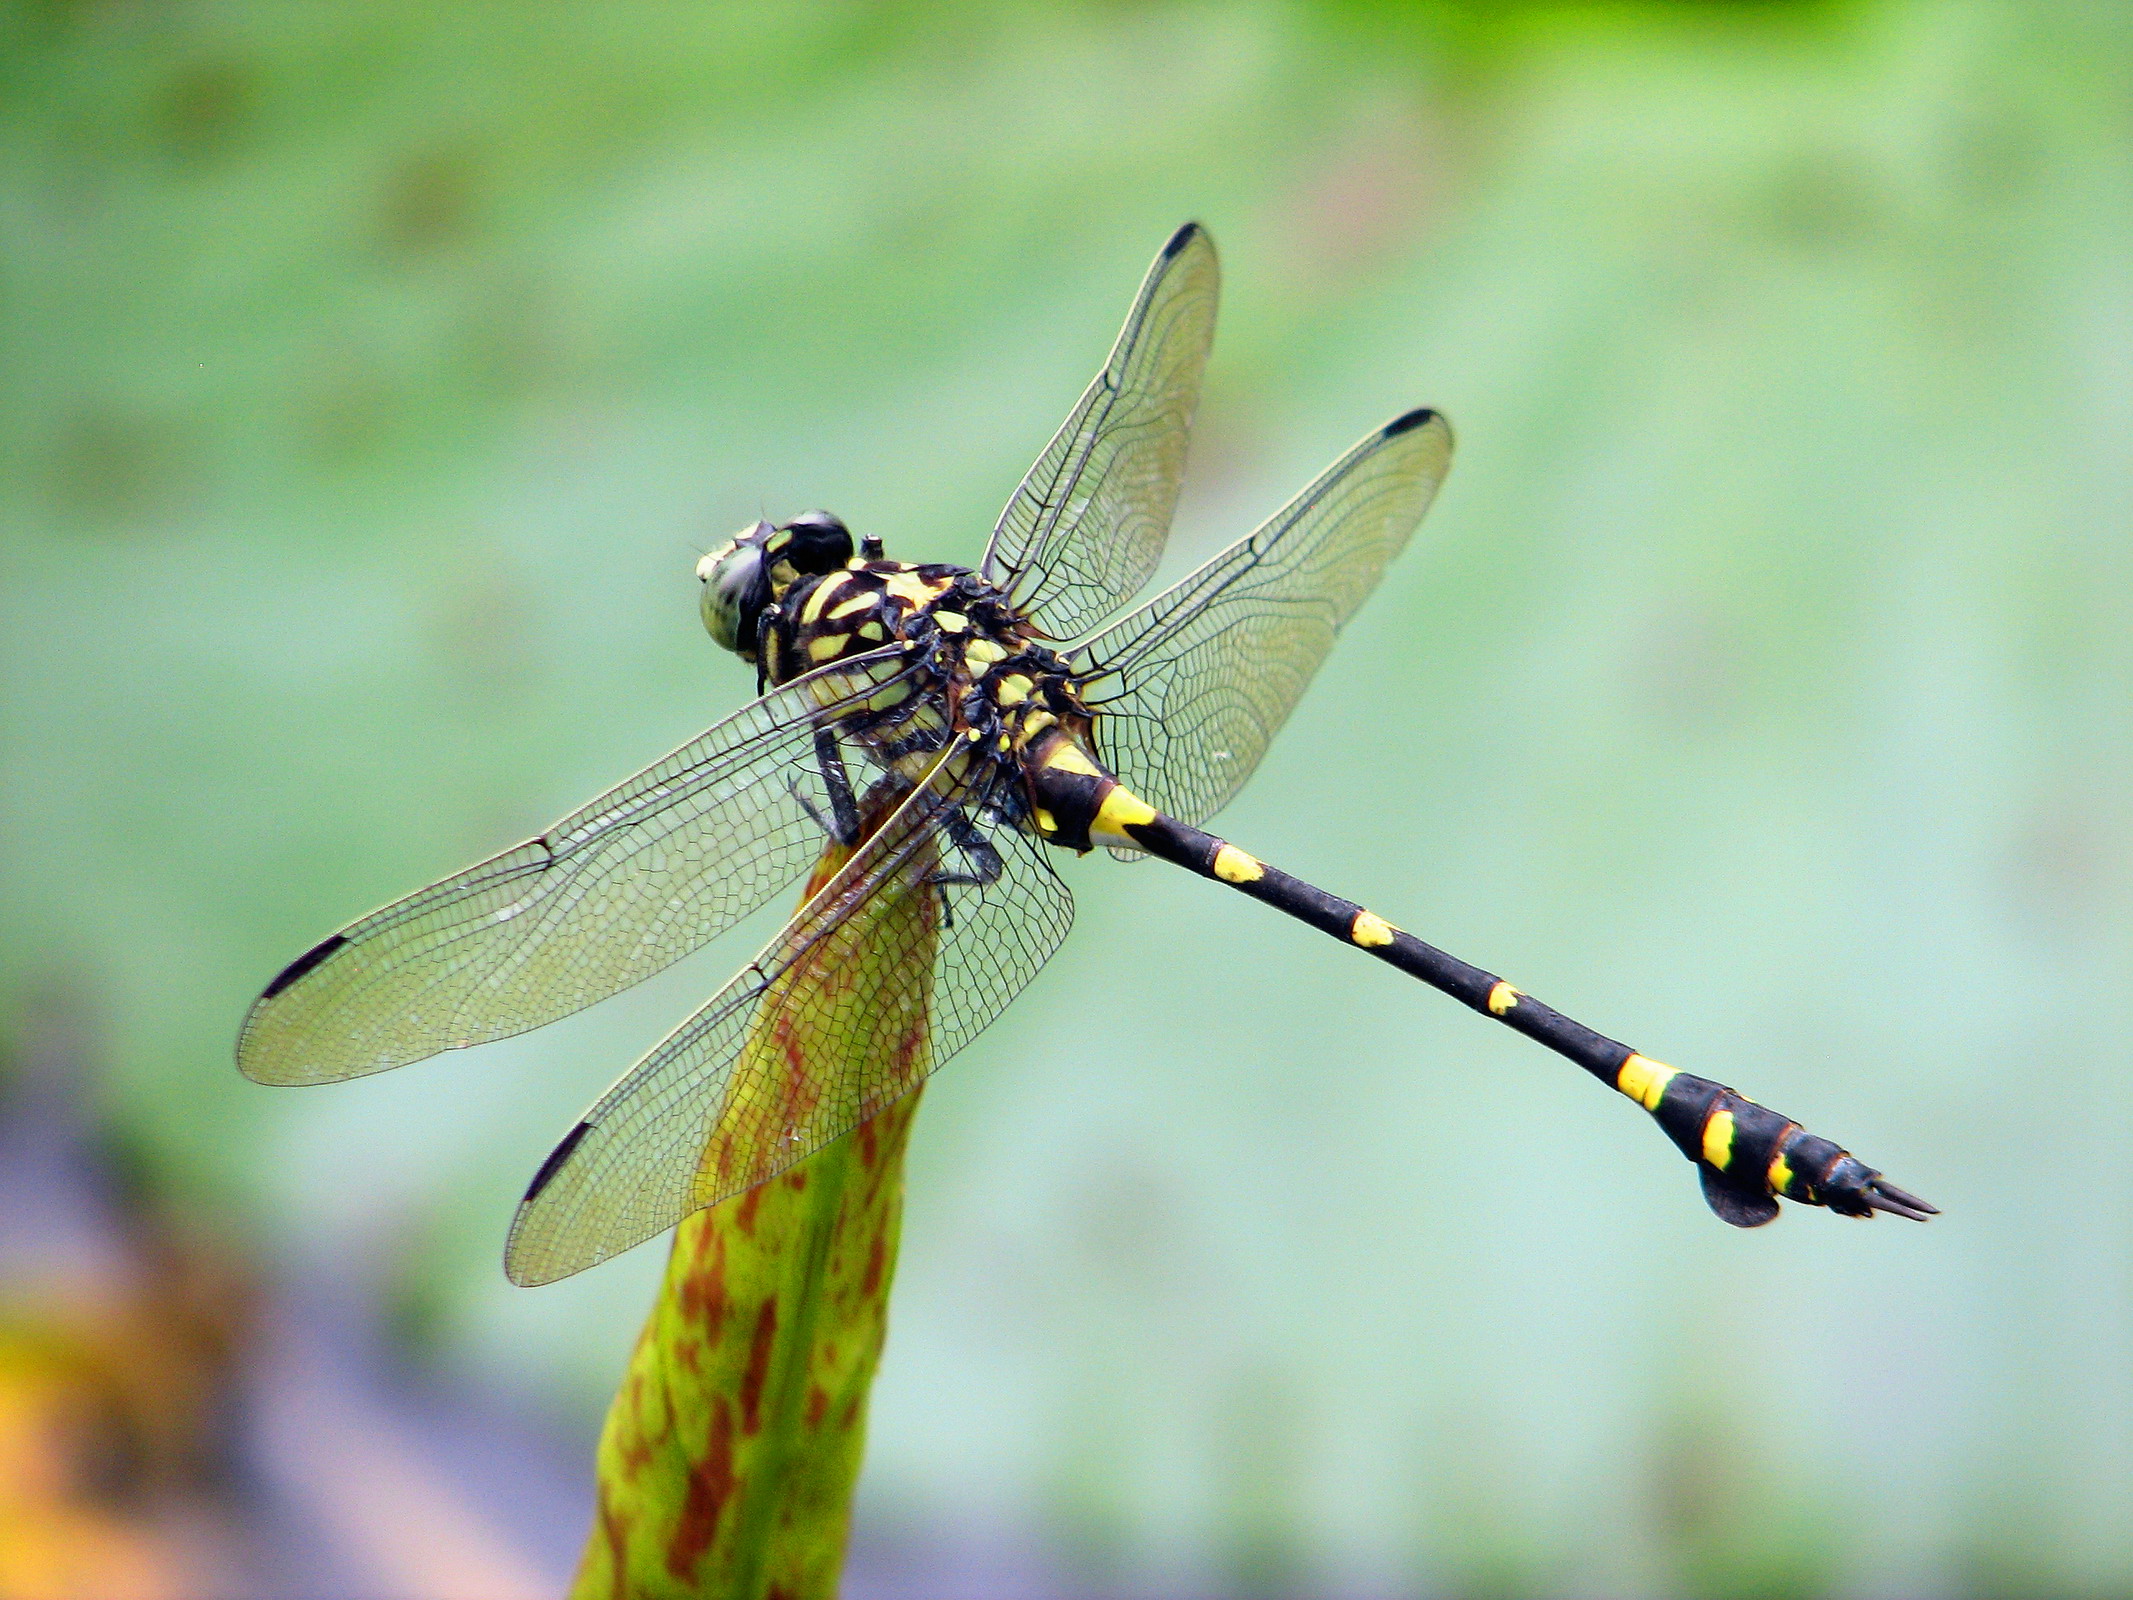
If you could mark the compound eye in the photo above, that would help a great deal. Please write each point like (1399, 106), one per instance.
(735, 589)
(817, 542)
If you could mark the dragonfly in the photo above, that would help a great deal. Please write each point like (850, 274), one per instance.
(946, 733)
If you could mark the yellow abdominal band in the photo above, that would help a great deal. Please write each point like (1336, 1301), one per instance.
(1121, 809)
(1644, 1080)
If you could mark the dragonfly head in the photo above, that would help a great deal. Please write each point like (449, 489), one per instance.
(756, 566)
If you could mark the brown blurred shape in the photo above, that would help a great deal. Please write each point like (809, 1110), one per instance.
(120, 1328)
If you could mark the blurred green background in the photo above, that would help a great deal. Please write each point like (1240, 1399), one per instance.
(371, 375)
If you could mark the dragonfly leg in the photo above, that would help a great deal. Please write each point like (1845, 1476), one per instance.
(842, 824)
(920, 742)
(985, 867)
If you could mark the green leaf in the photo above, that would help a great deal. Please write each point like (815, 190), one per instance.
(727, 1462)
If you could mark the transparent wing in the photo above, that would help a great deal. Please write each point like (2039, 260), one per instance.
(611, 894)
(883, 975)
(1192, 687)
(1087, 527)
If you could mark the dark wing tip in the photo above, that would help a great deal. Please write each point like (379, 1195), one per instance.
(1183, 237)
(1409, 421)
(554, 1163)
(309, 961)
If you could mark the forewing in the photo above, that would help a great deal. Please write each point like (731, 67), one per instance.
(613, 893)
(1193, 686)
(1087, 527)
(882, 976)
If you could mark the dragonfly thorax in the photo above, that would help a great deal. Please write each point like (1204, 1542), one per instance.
(955, 662)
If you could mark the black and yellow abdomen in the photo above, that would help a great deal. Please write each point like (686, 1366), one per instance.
(1748, 1156)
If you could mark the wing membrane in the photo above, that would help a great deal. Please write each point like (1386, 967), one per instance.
(1087, 526)
(613, 893)
(1193, 686)
(883, 975)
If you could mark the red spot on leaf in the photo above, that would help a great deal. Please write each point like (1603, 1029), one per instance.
(636, 1455)
(710, 1486)
(758, 1373)
(706, 1240)
(818, 1404)
(703, 1291)
(615, 1529)
(877, 1263)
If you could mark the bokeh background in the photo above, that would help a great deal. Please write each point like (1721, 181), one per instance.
(371, 376)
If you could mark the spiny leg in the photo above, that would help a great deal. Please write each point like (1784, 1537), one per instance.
(922, 741)
(1746, 1154)
(843, 823)
(983, 856)
(986, 865)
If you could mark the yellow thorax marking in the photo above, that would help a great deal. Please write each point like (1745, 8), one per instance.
(1234, 866)
(820, 597)
(1644, 1080)
(1502, 998)
(1031, 726)
(1013, 689)
(859, 602)
(1718, 1139)
(823, 646)
(910, 588)
(983, 652)
(950, 621)
(1046, 822)
(872, 631)
(1370, 930)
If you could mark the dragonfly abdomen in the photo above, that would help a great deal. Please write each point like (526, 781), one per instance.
(1747, 1155)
